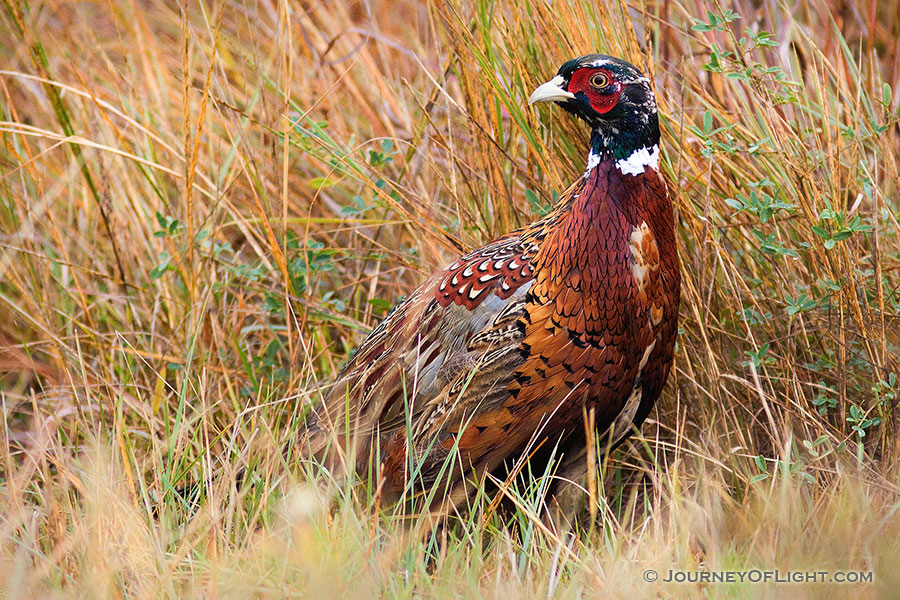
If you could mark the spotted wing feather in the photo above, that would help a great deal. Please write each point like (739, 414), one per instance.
(455, 337)
(499, 268)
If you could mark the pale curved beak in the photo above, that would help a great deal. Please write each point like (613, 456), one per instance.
(551, 92)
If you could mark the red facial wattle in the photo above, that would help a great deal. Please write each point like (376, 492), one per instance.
(601, 101)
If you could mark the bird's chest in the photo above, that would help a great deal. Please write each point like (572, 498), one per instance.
(606, 267)
(603, 308)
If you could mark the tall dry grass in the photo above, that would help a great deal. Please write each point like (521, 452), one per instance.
(206, 205)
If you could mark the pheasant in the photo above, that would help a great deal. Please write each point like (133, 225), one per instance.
(510, 346)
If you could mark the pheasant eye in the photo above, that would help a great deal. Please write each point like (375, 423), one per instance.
(600, 80)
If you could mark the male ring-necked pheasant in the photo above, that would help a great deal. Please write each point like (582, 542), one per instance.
(508, 348)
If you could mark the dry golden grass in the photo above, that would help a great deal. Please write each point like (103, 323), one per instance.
(204, 210)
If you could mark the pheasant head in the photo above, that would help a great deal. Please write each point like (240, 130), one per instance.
(615, 100)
